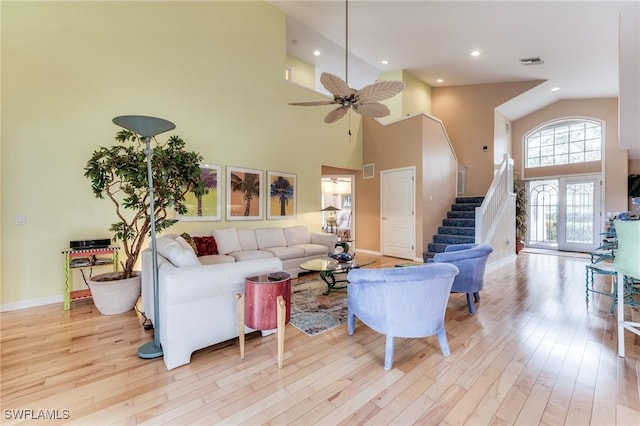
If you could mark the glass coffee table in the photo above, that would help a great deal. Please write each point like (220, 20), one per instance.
(329, 268)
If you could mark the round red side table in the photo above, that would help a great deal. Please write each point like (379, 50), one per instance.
(265, 305)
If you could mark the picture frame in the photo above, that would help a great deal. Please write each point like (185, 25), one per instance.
(281, 196)
(345, 201)
(209, 206)
(245, 193)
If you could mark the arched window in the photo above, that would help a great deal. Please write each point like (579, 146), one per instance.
(564, 142)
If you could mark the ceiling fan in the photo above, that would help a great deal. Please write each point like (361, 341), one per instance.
(364, 101)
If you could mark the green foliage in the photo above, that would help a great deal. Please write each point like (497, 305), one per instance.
(521, 207)
(119, 173)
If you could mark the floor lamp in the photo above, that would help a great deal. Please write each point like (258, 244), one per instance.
(148, 127)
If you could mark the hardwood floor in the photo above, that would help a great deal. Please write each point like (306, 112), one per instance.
(534, 353)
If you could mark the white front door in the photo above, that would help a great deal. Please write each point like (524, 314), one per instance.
(564, 213)
(397, 207)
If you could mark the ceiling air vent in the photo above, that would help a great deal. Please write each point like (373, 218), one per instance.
(531, 61)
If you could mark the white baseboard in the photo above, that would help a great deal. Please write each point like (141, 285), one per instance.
(377, 253)
(373, 253)
(31, 303)
(500, 262)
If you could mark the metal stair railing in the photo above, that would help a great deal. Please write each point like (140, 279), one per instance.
(494, 202)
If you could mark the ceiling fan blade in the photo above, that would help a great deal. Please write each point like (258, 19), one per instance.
(336, 114)
(312, 103)
(380, 90)
(372, 109)
(335, 85)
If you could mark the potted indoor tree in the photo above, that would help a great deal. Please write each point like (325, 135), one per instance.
(521, 213)
(119, 173)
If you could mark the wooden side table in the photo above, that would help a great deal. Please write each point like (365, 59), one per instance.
(265, 305)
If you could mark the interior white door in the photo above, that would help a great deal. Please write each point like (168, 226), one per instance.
(397, 207)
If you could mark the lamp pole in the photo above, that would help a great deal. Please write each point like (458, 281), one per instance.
(148, 127)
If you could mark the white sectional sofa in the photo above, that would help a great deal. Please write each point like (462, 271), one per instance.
(293, 245)
(197, 296)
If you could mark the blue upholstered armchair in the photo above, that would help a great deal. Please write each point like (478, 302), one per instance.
(471, 260)
(401, 302)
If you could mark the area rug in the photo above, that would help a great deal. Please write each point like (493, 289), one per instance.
(311, 311)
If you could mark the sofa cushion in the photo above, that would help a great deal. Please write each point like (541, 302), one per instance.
(215, 259)
(247, 239)
(270, 237)
(227, 240)
(297, 235)
(205, 246)
(312, 249)
(177, 251)
(284, 253)
(243, 255)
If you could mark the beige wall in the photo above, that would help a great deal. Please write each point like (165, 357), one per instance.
(615, 160)
(415, 98)
(439, 167)
(418, 141)
(394, 103)
(216, 69)
(302, 73)
(501, 138)
(468, 115)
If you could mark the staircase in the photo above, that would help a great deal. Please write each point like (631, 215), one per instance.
(458, 228)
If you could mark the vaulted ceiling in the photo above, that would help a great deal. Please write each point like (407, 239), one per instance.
(577, 42)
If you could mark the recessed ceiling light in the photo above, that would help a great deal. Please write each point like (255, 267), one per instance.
(316, 53)
(555, 89)
(475, 53)
(384, 62)
(439, 80)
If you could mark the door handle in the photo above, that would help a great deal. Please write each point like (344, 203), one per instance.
(384, 218)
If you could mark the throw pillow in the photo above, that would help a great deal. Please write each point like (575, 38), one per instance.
(192, 243)
(179, 253)
(205, 246)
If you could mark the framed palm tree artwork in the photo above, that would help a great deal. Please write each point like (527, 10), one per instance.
(244, 194)
(281, 198)
(207, 207)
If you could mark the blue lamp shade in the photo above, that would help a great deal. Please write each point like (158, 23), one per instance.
(628, 254)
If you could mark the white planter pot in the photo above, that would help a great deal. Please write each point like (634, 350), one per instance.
(114, 297)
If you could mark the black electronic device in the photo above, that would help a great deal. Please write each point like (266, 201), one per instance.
(89, 244)
(278, 276)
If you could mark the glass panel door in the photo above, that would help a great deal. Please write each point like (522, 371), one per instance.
(564, 213)
(579, 217)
